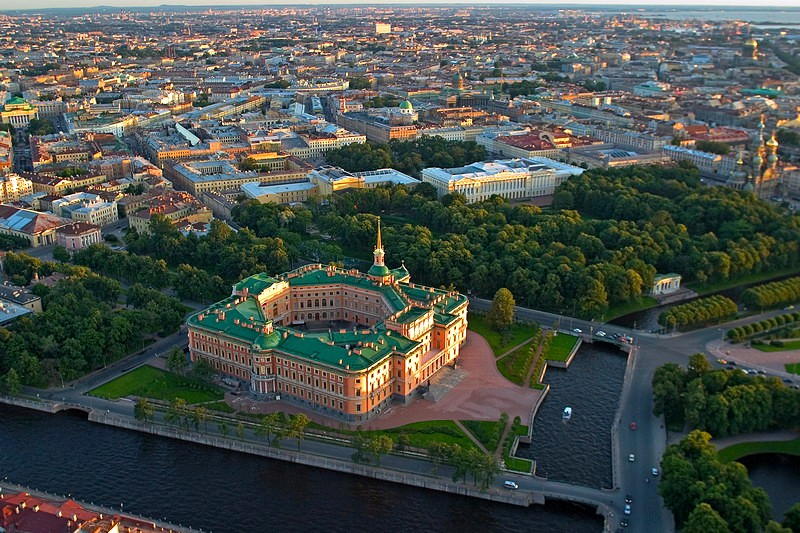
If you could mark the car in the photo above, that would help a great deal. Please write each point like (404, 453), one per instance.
(786, 380)
(722, 361)
(633, 426)
(729, 367)
(627, 509)
(631, 458)
(624, 522)
(577, 330)
(762, 372)
(628, 498)
(732, 363)
(654, 471)
(601, 333)
(510, 485)
(788, 308)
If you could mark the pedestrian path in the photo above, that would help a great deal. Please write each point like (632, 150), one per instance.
(471, 437)
(518, 346)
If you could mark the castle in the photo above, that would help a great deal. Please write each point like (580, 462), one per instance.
(277, 334)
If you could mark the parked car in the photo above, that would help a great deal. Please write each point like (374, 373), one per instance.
(577, 330)
(601, 333)
(510, 485)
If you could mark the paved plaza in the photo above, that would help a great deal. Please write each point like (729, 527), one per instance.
(474, 391)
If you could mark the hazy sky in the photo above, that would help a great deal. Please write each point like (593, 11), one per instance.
(36, 4)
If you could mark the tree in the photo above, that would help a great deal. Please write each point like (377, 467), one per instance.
(61, 254)
(201, 415)
(297, 427)
(176, 361)
(380, 445)
(240, 430)
(143, 410)
(203, 370)
(704, 519)
(223, 428)
(501, 313)
(13, 384)
(270, 424)
(791, 518)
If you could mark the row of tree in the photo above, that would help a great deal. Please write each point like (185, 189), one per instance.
(747, 331)
(467, 462)
(772, 294)
(723, 402)
(698, 311)
(707, 495)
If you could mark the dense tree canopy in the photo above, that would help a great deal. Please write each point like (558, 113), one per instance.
(723, 402)
(707, 495)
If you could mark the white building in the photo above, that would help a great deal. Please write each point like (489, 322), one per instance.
(86, 207)
(666, 284)
(513, 179)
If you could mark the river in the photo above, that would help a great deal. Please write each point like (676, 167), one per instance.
(223, 491)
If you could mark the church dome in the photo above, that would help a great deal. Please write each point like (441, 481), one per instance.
(772, 141)
(757, 161)
(751, 43)
(405, 104)
(772, 158)
(749, 187)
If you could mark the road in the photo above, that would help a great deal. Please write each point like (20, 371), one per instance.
(648, 441)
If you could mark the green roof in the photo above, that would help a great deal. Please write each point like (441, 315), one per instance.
(376, 270)
(234, 320)
(405, 104)
(320, 276)
(16, 100)
(367, 347)
(255, 284)
(411, 314)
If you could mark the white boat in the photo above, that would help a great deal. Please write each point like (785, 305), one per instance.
(567, 413)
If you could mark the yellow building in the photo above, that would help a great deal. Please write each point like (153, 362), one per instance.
(396, 336)
(18, 112)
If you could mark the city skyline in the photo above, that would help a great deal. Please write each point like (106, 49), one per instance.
(88, 4)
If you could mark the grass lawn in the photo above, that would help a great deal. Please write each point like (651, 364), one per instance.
(151, 382)
(500, 342)
(515, 365)
(518, 465)
(220, 406)
(793, 368)
(732, 453)
(561, 346)
(615, 311)
(743, 280)
(788, 345)
(487, 432)
(420, 434)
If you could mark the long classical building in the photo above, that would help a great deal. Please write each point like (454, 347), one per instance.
(513, 179)
(399, 335)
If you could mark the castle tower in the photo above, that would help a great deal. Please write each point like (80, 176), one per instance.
(378, 270)
(750, 49)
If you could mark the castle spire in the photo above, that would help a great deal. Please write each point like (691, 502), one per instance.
(379, 246)
(378, 271)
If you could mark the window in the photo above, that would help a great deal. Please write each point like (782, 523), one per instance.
(358, 407)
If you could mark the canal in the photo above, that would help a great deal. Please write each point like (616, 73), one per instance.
(223, 491)
(779, 476)
(579, 451)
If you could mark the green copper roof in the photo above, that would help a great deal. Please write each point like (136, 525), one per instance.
(255, 284)
(405, 104)
(380, 271)
(321, 276)
(235, 321)
(357, 349)
(16, 100)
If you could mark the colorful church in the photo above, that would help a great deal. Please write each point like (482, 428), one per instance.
(340, 342)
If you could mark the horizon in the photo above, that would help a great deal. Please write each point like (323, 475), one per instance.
(32, 5)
